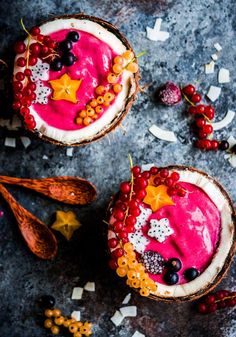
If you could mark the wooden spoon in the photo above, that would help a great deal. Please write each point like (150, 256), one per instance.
(70, 190)
(37, 235)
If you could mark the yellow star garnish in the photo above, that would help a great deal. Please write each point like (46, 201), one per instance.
(66, 223)
(65, 88)
(157, 197)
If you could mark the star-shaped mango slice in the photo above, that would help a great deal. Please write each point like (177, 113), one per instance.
(157, 197)
(66, 223)
(64, 88)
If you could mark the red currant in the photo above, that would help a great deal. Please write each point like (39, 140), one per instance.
(171, 191)
(175, 176)
(209, 112)
(40, 37)
(200, 122)
(181, 192)
(112, 243)
(20, 76)
(164, 173)
(202, 134)
(51, 44)
(16, 105)
(35, 31)
(146, 175)
(206, 144)
(31, 86)
(113, 264)
(46, 39)
(32, 97)
(208, 129)
(18, 96)
(135, 211)
(124, 197)
(32, 60)
(133, 203)
(196, 98)
(130, 228)
(44, 50)
(19, 47)
(212, 308)
(169, 182)
(123, 234)
(26, 101)
(154, 170)
(121, 205)
(117, 253)
(35, 49)
(27, 91)
(125, 187)
(140, 195)
(27, 72)
(192, 110)
(117, 226)
(141, 183)
(119, 214)
(214, 145)
(219, 295)
(21, 62)
(30, 122)
(202, 308)
(200, 109)
(210, 299)
(189, 90)
(17, 85)
(24, 111)
(157, 181)
(136, 171)
(130, 220)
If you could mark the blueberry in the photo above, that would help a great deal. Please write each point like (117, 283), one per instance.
(56, 64)
(174, 264)
(68, 59)
(47, 301)
(171, 277)
(65, 45)
(73, 36)
(191, 273)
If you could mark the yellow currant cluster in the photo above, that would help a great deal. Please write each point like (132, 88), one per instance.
(55, 320)
(105, 95)
(136, 276)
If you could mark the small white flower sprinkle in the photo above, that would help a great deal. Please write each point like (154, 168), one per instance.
(76, 315)
(89, 286)
(77, 293)
(217, 46)
(25, 141)
(10, 142)
(117, 318)
(213, 93)
(223, 76)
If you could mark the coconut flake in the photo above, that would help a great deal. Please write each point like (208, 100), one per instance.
(155, 33)
(76, 315)
(25, 141)
(138, 334)
(225, 121)
(45, 157)
(217, 46)
(69, 151)
(129, 311)
(231, 140)
(214, 57)
(117, 318)
(10, 142)
(166, 135)
(89, 286)
(127, 299)
(77, 293)
(162, 36)
(210, 67)
(232, 160)
(213, 93)
(223, 76)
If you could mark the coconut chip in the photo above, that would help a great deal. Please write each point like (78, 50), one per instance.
(155, 33)
(210, 67)
(223, 76)
(138, 334)
(76, 315)
(10, 142)
(214, 57)
(127, 299)
(77, 293)
(130, 311)
(166, 135)
(25, 141)
(89, 286)
(225, 121)
(117, 318)
(213, 93)
(69, 151)
(217, 46)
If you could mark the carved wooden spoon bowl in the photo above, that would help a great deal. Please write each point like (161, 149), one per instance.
(37, 235)
(69, 190)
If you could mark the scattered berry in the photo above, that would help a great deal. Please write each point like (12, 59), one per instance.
(189, 90)
(73, 36)
(19, 47)
(223, 145)
(196, 98)
(171, 277)
(191, 273)
(169, 94)
(174, 264)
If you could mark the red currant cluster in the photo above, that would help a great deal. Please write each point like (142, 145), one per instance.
(204, 114)
(219, 300)
(24, 88)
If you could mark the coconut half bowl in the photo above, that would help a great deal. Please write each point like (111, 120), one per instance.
(132, 87)
(225, 248)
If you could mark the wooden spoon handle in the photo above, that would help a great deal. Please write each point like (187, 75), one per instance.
(16, 181)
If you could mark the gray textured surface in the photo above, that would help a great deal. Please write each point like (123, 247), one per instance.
(193, 31)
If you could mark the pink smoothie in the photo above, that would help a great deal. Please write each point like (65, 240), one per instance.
(94, 60)
(196, 223)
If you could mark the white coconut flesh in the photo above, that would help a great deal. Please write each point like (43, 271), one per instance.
(114, 111)
(226, 239)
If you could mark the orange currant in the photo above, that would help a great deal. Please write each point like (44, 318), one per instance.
(121, 271)
(87, 121)
(135, 283)
(100, 90)
(119, 60)
(131, 274)
(122, 261)
(153, 287)
(132, 67)
(55, 330)
(56, 312)
(108, 97)
(77, 334)
(73, 327)
(128, 247)
(117, 88)
(144, 284)
(95, 116)
(128, 55)
(59, 320)
(100, 100)
(117, 68)
(48, 323)
(132, 263)
(93, 103)
(99, 109)
(79, 120)
(111, 78)
(90, 112)
(144, 292)
(140, 268)
(48, 313)
(66, 323)
(83, 113)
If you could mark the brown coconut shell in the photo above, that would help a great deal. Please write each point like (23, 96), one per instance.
(129, 101)
(212, 285)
